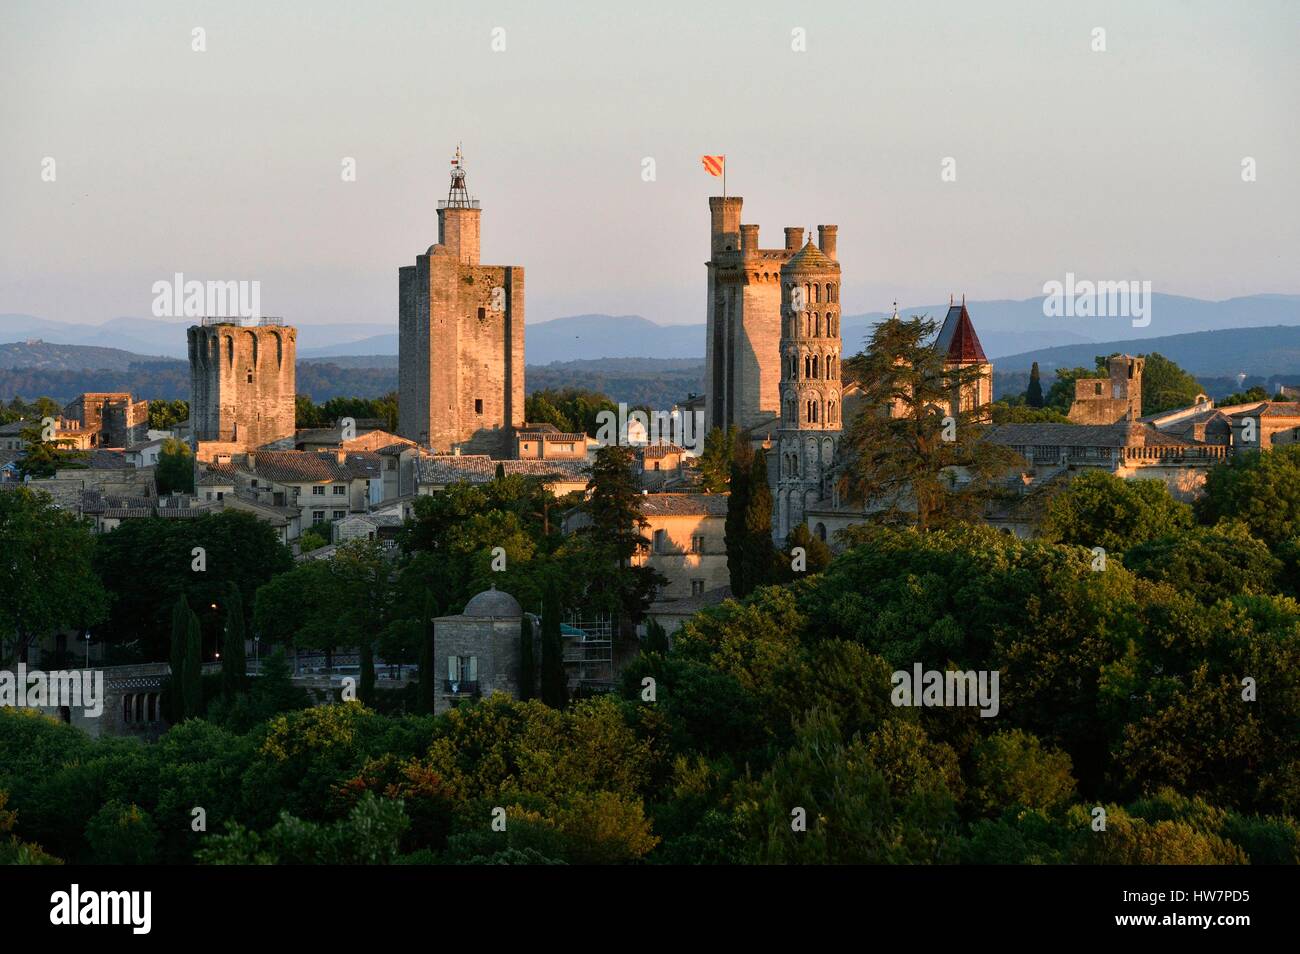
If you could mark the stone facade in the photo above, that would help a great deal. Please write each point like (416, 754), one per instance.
(113, 419)
(242, 385)
(461, 340)
(811, 410)
(1099, 401)
(742, 360)
(476, 652)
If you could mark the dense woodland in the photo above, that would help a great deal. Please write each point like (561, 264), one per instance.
(1148, 653)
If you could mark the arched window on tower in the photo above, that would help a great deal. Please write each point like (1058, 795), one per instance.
(817, 292)
(830, 412)
(807, 366)
(815, 370)
(817, 325)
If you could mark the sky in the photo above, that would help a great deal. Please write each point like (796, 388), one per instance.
(226, 163)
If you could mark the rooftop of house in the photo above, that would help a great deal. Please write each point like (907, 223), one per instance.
(661, 450)
(480, 468)
(684, 505)
(1130, 434)
(296, 466)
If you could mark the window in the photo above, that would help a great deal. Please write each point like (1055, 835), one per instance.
(697, 544)
(478, 405)
(340, 490)
(318, 491)
(482, 314)
(462, 673)
(221, 495)
(697, 587)
(661, 541)
(249, 379)
(340, 514)
(318, 516)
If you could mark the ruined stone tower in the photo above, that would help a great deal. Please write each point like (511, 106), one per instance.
(1101, 401)
(242, 383)
(461, 338)
(742, 369)
(809, 352)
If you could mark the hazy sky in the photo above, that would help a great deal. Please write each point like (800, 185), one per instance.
(226, 164)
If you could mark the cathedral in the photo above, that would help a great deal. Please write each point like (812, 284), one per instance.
(773, 354)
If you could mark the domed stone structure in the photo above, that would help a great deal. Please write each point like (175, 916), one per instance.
(493, 604)
(477, 651)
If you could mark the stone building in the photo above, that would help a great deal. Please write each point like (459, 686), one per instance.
(113, 419)
(964, 354)
(242, 384)
(742, 351)
(811, 410)
(1109, 401)
(477, 650)
(461, 338)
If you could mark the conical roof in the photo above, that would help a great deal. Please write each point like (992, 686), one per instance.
(811, 259)
(957, 339)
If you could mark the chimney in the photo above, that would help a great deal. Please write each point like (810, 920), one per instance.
(793, 237)
(826, 240)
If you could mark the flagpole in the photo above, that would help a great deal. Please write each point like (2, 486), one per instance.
(724, 177)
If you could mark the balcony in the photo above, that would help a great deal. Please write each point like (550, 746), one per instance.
(461, 689)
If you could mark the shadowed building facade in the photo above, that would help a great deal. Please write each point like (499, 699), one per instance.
(460, 339)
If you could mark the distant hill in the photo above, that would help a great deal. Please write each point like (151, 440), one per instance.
(1005, 327)
(1267, 351)
(36, 353)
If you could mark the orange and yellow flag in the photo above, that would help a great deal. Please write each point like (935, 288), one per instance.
(714, 165)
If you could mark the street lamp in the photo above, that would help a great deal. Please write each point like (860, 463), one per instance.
(87, 649)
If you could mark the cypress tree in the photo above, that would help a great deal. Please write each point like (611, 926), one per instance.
(737, 504)
(192, 680)
(759, 551)
(1034, 393)
(656, 640)
(554, 679)
(527, 665)
(180, 633)
(234, 664)
(500, 472)
(428, 672)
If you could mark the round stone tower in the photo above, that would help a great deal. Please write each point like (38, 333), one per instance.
(810, 381)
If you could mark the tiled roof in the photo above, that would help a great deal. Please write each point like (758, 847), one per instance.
(480, 468)
(108, 460)
(661, 450)
(811, 259)
(363, 465)
(684, 505)
(1084, 435)
(1274, 409)
(957, 339)
(297, 467)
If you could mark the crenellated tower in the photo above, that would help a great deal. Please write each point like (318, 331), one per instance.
(811, 417)
(460, 338)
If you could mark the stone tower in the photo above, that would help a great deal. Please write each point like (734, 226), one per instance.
(1102, 401)
(809, 352)
(742, 361)
(460, 338)
(242, 383)
(962, 350)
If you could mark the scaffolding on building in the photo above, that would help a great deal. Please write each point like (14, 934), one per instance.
(589, 653)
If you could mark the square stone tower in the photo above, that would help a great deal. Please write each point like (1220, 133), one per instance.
(460, 338)
(742, 353)
(242, 382)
